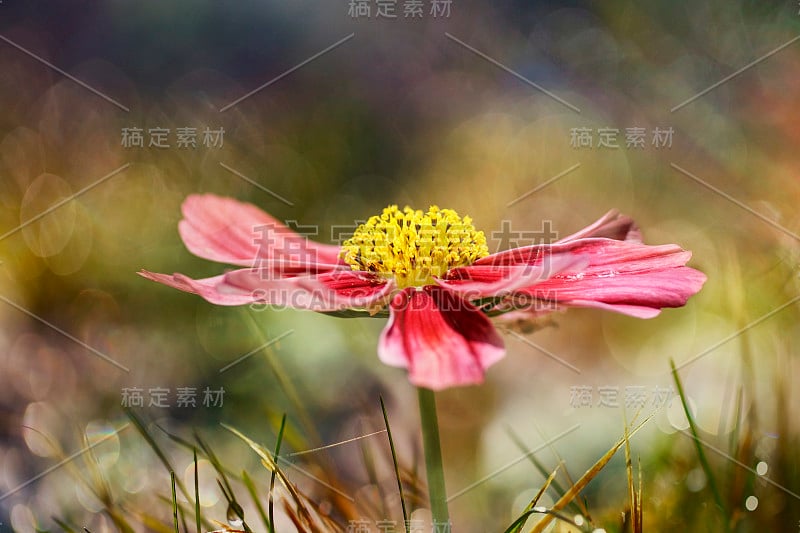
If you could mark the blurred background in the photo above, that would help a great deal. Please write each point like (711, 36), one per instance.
(323, 113)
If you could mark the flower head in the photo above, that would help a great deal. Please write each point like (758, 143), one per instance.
(434, 272)
(413, 247)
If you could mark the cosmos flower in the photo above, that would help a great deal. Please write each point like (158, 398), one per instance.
(434, 273)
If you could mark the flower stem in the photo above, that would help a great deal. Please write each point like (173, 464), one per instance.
(433, 457)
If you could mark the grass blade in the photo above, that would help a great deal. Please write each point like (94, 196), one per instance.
(274, 472)
(251, 488)
(174, 502)
(639, 511)
(396, 466)
(289, 388)
(516, 526)
(215, 462)
(63, 525)
(634, 495)
(156, 449)
(712, 482)
(550, 515)
(585, 479)
(368, 460)
(225, 486)
(196, 495)
(540, 466)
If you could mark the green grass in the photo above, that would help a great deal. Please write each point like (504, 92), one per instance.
(727, 465)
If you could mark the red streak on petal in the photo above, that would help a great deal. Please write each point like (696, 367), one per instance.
(443, 340)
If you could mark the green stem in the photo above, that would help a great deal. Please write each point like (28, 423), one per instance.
(433, 458)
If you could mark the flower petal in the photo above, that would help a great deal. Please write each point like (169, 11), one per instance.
(601, 253)
(624, 276)
(482, 281)
(637, 311)
(442, 339)
(328, 291)
(331, 291)
(208, 288)
(226, 230)
(642, 294)
(612, 225)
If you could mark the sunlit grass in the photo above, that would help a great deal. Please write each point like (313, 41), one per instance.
(726, 467)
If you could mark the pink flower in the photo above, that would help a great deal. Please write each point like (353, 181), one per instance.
(434, 272)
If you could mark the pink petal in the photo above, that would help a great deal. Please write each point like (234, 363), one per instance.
(238, 233)
(442, 339)
(601, 253)
(208, 288)
(331, 291)
(624, 276)
(636, 311)
(328, 291)
(640, 294)
(481, 281)
(282, 269)
(612, 225)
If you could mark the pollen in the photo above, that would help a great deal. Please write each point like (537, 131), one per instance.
(414, 247)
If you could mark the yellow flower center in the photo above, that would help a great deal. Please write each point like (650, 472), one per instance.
(412, 246)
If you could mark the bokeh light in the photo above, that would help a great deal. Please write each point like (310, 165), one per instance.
(476, 111)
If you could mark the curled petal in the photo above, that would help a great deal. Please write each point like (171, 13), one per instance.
(238, 233)
(612, 225)
(331, 291)
(209, 288)
(442, 339)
